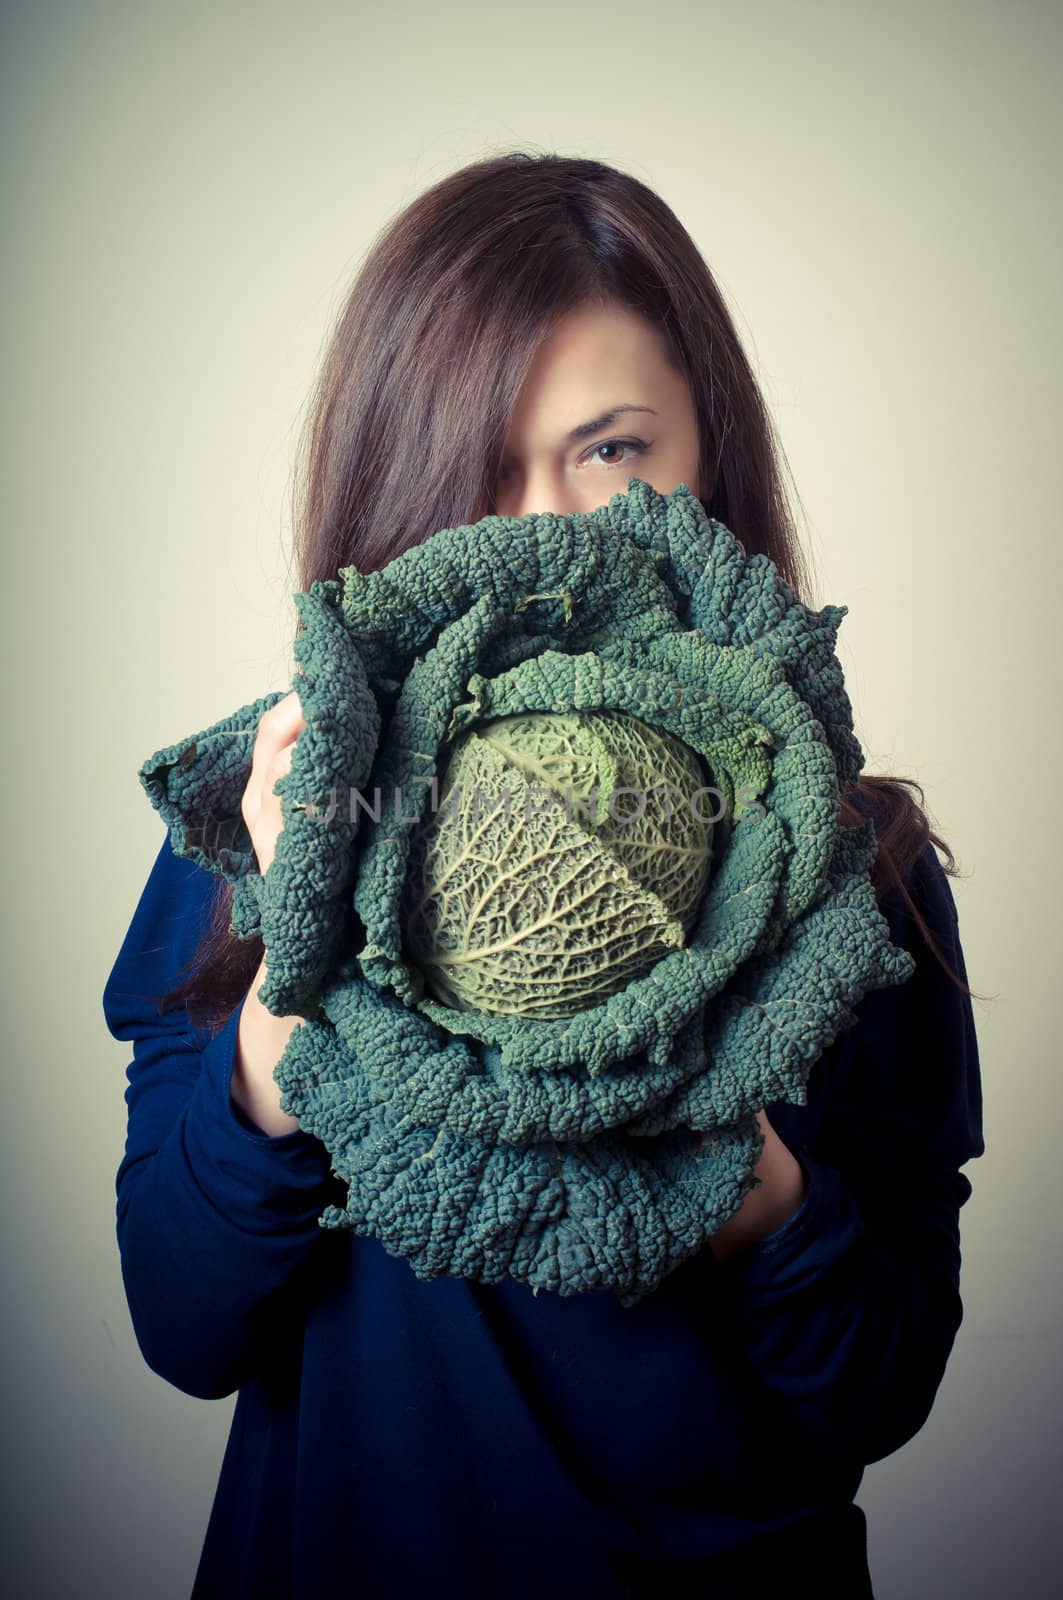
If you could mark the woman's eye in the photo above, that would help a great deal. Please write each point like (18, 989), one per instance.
(629, 446)
(620, 452)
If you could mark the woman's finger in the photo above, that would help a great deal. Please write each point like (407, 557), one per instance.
(281, 725)
(283, 721)
(281, 764)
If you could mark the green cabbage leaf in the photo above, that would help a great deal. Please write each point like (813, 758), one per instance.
(565, 858)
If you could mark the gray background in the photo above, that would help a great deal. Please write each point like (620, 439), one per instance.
(187, 191)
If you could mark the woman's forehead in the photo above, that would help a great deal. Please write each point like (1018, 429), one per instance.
(597, 368)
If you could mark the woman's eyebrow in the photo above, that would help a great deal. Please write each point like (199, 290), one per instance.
(603, 421)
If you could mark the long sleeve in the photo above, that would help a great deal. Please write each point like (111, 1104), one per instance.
(849, 1311)
(214, 1217)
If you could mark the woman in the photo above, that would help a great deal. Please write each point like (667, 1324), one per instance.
(526, 336)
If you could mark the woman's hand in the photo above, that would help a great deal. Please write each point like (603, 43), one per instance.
(271, 759)
(764, 1209)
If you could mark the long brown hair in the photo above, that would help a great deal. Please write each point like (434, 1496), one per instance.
(409, 415)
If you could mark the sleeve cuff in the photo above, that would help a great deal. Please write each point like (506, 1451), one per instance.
(826, 1227)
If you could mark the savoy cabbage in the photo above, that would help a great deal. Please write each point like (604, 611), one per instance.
(586, 1119)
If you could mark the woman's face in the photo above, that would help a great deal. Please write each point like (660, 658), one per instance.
(564, 451)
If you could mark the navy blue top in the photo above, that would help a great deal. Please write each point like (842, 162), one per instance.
(394, 1437)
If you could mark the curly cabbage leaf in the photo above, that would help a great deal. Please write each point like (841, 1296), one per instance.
(567, 855)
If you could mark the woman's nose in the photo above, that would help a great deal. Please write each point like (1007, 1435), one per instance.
(520, 496)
